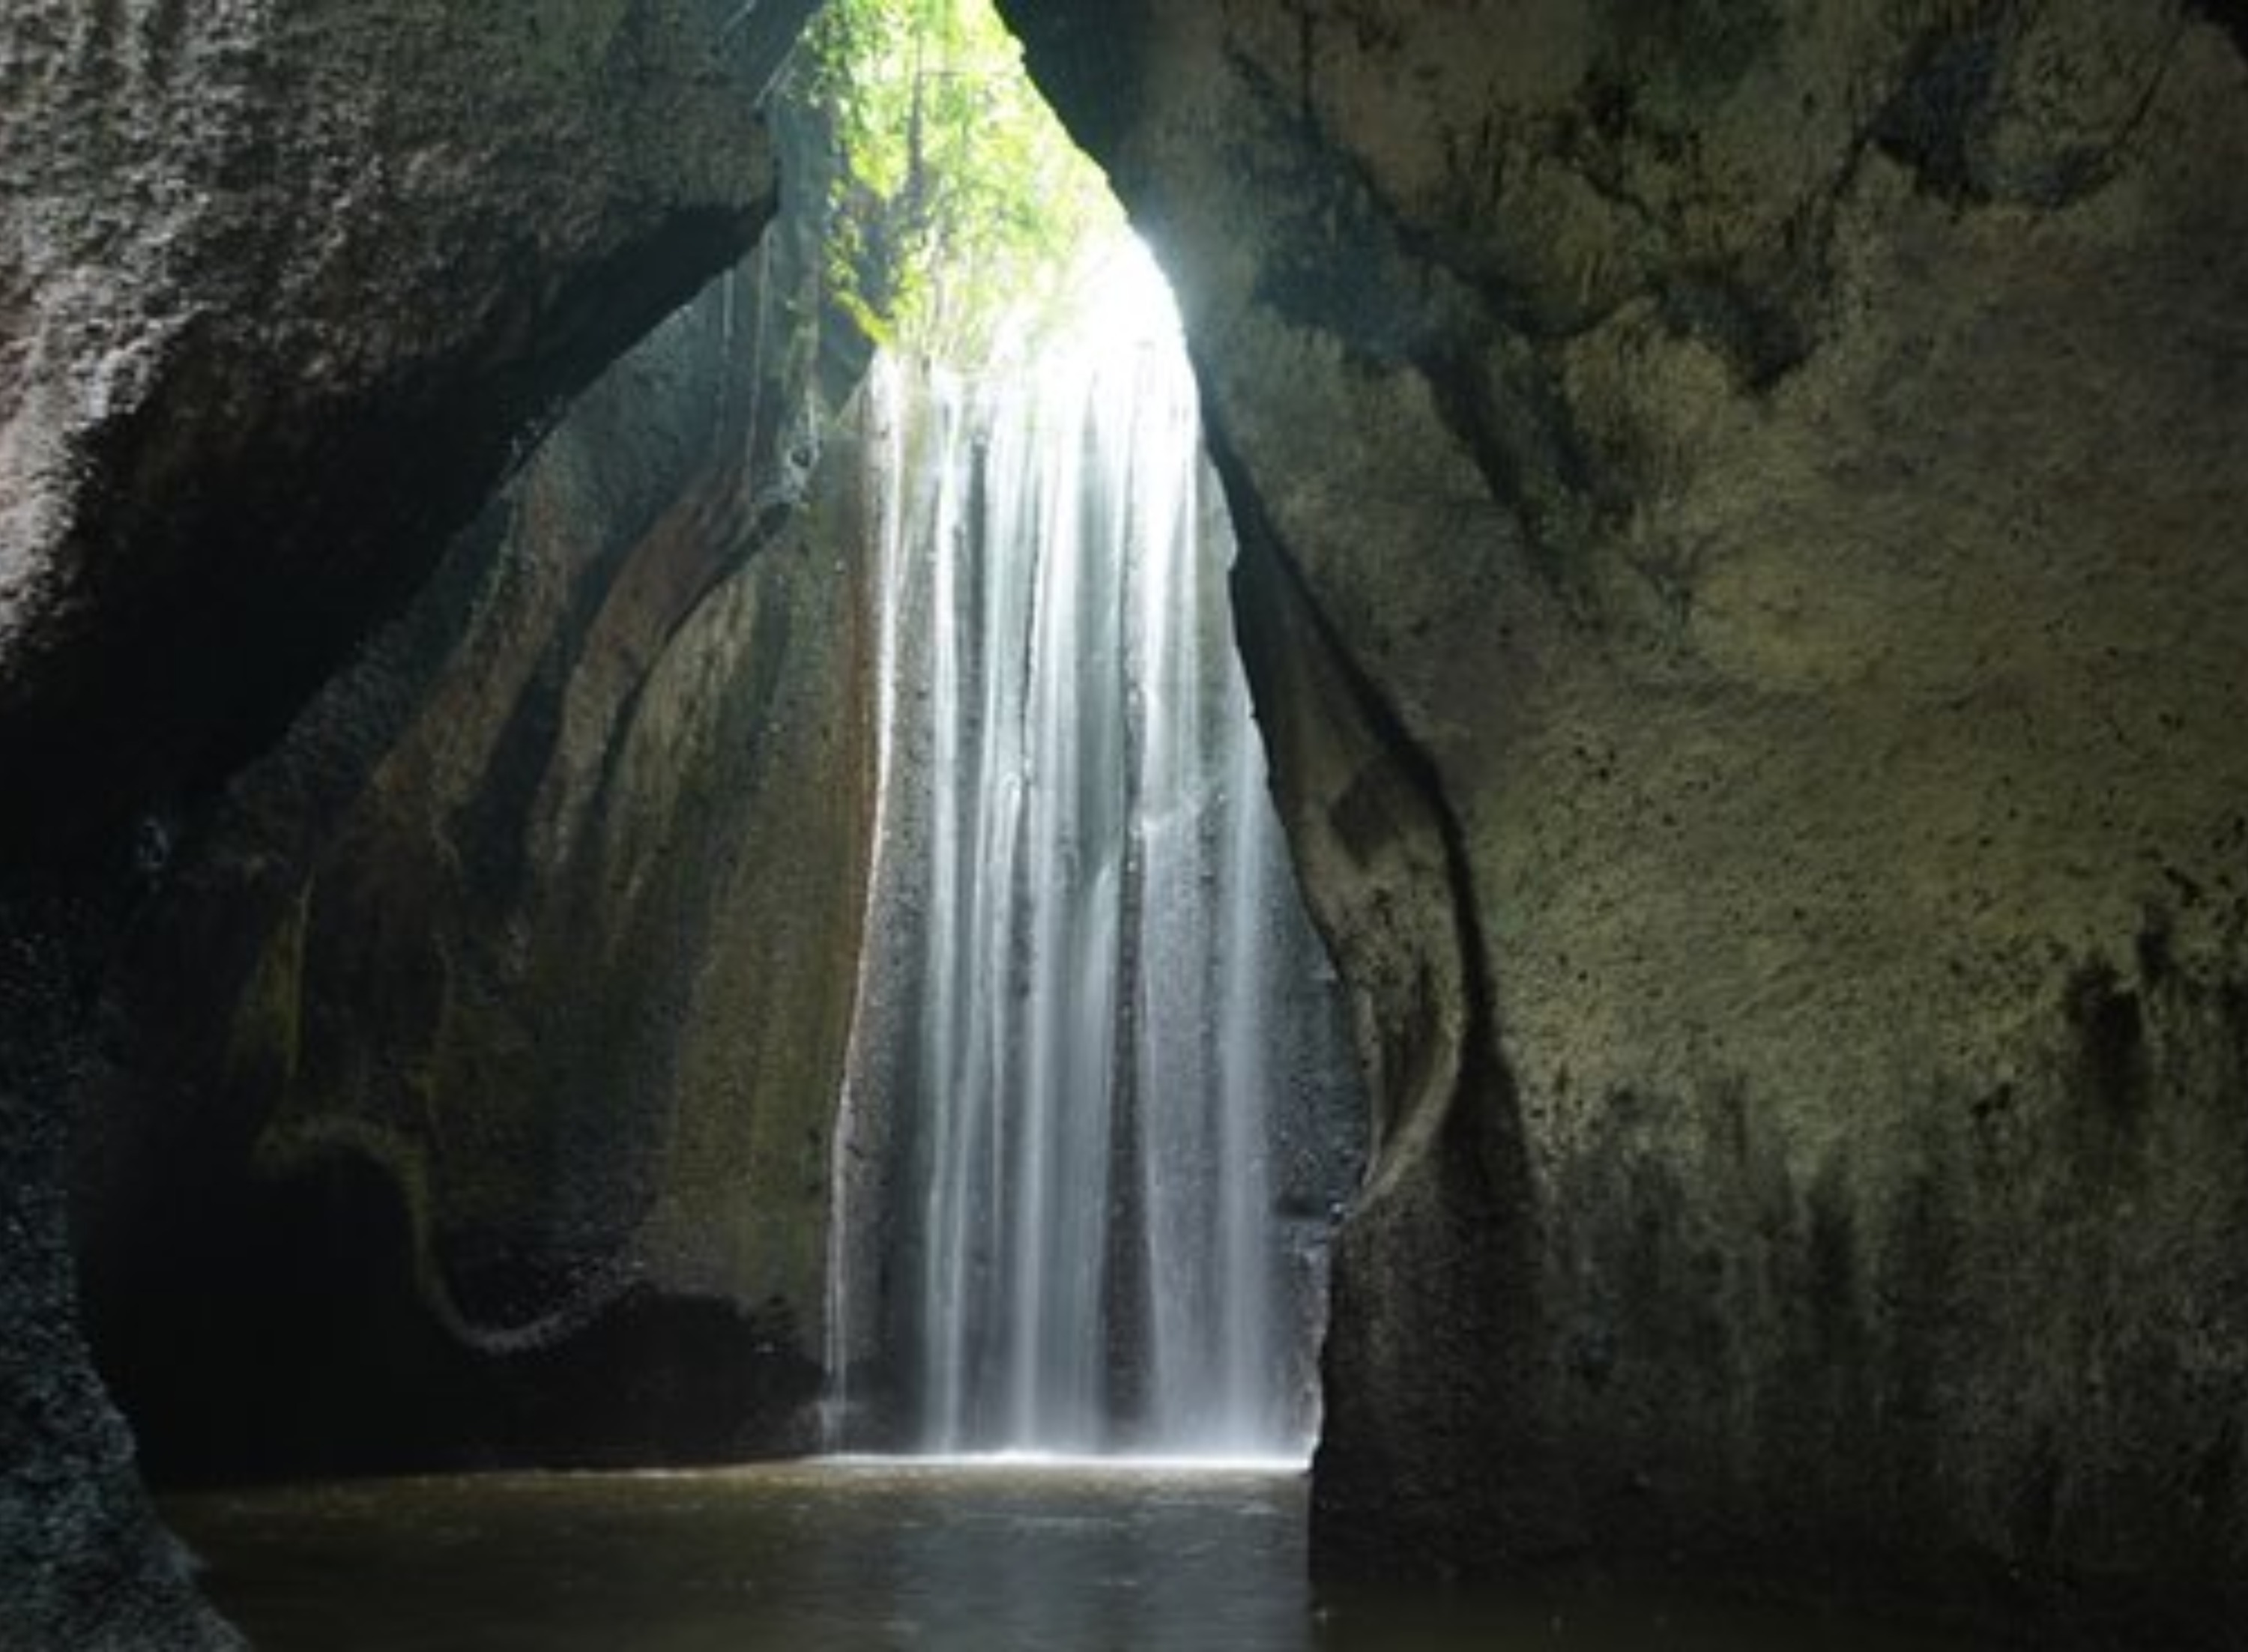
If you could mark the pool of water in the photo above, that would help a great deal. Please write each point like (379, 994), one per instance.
(832, 1557)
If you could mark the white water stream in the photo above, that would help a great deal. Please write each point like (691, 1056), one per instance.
(1082, 913)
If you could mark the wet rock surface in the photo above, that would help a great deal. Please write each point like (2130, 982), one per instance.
(280, 297)
(1754, 493)
(499, 1134)
(470, 1099)
(248, 249)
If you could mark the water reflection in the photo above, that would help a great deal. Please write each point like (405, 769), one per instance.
(858, 1555)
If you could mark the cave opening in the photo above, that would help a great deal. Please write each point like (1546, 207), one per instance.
(1100, 1110)
(1739, 568)
(1098, 1114)
(1101, 1106)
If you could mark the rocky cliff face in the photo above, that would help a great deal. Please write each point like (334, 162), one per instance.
(479, 1113)
(250, 246)
(1745, 581)
(280, 292)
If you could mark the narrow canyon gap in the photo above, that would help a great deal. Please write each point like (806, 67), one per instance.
(1103, 1104)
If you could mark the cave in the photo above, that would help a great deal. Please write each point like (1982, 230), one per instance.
(1736, 561)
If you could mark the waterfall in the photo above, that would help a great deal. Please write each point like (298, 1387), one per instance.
(1091, 1001)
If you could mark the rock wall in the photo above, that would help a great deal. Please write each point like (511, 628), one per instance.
(1743, 576)
(281, 290)
(249, 246)
(481, 1116)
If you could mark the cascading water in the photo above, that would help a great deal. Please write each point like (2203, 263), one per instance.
(1096, 1036)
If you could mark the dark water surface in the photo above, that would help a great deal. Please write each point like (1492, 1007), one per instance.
(834, 1557)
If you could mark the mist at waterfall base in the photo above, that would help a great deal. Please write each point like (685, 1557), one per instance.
(1101, 1106)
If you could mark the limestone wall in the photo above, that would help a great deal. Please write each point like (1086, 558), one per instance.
(1745, 511)
(281, 291)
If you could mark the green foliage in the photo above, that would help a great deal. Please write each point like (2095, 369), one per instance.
(961, 203)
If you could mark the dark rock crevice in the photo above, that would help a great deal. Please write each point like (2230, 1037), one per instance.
(85, 1564)
(1944, 120)
(2231, 16)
